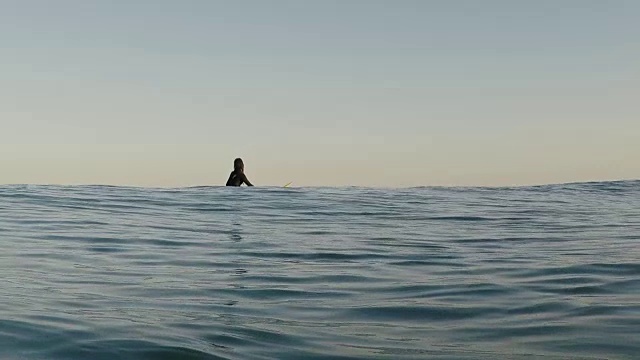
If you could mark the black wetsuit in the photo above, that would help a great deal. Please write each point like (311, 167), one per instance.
(237, 179)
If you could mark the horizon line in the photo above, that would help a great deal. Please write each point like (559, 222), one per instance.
(271, 186)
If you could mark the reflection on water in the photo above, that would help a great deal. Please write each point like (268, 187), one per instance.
(236, 230)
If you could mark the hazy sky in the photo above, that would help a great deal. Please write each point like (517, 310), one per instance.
(324, 92)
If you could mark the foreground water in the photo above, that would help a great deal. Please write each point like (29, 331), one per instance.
(97, 272)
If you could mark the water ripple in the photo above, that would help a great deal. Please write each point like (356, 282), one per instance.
(105, 272)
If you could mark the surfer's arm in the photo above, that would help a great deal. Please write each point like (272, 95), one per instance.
(246, 181)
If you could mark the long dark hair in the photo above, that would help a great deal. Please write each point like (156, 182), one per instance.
(237, 163)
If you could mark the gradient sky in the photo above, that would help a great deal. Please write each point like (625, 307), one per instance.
(324, 92)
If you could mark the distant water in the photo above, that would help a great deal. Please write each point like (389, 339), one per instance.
(94, 272)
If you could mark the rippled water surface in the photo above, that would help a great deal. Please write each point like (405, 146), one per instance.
(95, 272)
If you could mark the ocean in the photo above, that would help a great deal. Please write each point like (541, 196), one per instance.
(100, 272)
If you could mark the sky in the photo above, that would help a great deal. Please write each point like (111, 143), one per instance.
(322, 93)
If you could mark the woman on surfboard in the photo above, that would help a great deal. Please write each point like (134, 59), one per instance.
(238, 177)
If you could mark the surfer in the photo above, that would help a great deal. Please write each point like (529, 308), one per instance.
(238, 176)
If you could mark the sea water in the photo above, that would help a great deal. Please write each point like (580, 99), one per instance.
(96, 272)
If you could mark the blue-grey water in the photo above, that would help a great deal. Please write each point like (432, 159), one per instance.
(95, 272)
